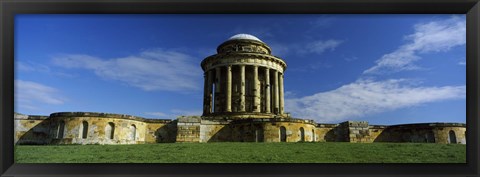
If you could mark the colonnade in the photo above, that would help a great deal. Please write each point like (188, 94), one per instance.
(242, 88)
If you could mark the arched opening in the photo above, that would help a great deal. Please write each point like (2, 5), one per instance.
(451, 137)
(283, 134)
(133, 131)
(242, 134)
(110, 130)
(259, 135)
(83, 132)
(302, 134)
(313, 135)
(430, 137)
(60, 130)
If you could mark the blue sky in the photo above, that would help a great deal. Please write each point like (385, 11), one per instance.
(385, 69)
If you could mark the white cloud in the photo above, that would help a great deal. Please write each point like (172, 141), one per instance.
(279, 49)
(435, 36)
(349, 59)
(23, 67)
(150, 70)
(289, 94)
(463, 63)
(307, 47)
(322, 22)
(174, 113)
(37, 67)
(181, 112)
(321, 46)
(157, 114)
(30, 95)
(30, 66)
(366, 97)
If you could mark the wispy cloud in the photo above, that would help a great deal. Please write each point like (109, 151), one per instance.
(260, 32)
(174, 113)
(182, 112)
(32, 95)
(157, 114)
(351, 58)
(155, 69)
(279, 49)
(37, 67)
(463, 63)
(320, 46)
(307, 47)
(435, 36)
(30, 66)
(366, 97)
(322, 22)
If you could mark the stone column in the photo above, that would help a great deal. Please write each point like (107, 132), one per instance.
(209, 91)
(267, 90)
(217, 89)
(229, 89)
(207, 100)
(275, 92)
(242, 88)
(280, 93)
(205, 92)
(256, 90)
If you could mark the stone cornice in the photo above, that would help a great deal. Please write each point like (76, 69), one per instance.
(243, 41)
(242, 56)
(423, 125)
(106, 115)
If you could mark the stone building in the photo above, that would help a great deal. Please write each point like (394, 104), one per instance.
(243, 102)
(243, 80)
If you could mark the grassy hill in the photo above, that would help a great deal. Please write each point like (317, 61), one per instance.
(244, 153)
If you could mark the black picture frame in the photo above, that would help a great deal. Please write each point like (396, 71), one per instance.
(9, 8)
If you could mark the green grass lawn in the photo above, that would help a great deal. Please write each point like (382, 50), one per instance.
(244, 153)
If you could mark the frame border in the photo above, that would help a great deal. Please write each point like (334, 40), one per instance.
(9, 8)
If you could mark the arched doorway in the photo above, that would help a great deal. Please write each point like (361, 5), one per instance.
(83, 130)
(259, 135)
(313, 135)
(60, 130)
(283, 134)
(110, 130)
(302, 134)
(430, 137)
(133, 131)
(451, 137)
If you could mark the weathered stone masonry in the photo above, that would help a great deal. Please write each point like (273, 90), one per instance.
(68, 128)
(243, 102)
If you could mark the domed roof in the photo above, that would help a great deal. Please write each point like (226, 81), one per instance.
(244, 36)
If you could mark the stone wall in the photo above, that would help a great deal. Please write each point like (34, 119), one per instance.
(97, 128)
(31, 129)
(424, 133)
(188, 129)
(256, 130)
(91, 128)
(160, 131)
(331, 133)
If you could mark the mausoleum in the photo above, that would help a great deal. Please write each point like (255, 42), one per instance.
(243, 102)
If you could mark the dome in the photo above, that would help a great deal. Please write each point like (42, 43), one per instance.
(244, 36)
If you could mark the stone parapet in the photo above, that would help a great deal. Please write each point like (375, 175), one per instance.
(30, 117)
(106, 115)
(435, 124)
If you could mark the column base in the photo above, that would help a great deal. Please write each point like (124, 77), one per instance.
(243, 115)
